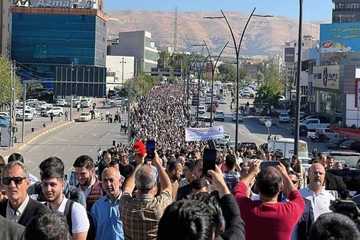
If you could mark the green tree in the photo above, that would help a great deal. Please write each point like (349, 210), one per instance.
(5, 82)
(140, 85)
(269, 93)
(227, 72)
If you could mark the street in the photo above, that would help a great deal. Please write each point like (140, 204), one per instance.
(70, 142)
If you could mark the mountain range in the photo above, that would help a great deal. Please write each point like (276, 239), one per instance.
(264, 36)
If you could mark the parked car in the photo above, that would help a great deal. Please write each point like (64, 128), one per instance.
(86, 103)
(4, 121)
(335, 143)
(219, 116)
(61, 102)
(284, 117)
(28, 116)
(84, 117)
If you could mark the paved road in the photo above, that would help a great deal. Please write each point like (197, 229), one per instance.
(70, 142)
(251, 130)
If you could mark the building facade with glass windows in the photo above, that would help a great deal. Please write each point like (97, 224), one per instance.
(63, 48)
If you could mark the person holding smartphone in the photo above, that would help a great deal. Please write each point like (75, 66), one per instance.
(276, 219)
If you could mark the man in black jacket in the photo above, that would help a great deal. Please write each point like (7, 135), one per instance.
(19, 207)
(196, 219)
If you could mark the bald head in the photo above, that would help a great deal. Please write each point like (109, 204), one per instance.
(316, 177)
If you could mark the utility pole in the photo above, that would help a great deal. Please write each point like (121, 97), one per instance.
(298, 102)
(23, 115)
(11, 103)
(122, 71)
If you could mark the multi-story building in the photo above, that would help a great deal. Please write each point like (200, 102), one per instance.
(139, 45)
(290, 69)
(336, 87)
(5, 24)
(119, 69)
(346, 11)
(61, 44)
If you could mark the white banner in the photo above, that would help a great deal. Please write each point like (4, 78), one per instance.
(204, 134)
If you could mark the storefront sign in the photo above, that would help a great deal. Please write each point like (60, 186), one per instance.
(327, 77)
(289, 54)
(56, 3)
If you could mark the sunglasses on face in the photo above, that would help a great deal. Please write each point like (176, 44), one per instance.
(17, 180)
(295, 182)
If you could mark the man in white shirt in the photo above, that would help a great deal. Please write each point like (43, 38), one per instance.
(52, 183)
(315, 192)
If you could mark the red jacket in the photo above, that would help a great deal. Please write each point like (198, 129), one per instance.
(272, 221)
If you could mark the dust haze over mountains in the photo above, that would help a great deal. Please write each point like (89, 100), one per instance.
(264, 36)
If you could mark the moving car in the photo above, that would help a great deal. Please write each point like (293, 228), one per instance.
(84, 117)
(56, 111)
(219, 116)
(284, 117)
(240, 117)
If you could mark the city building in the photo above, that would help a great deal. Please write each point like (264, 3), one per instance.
(346, 11)
(61, 44)
(119, 70)
(336, 87)
(139, 45)
(290, 69)
(5, 24)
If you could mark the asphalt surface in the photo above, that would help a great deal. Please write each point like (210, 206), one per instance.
(74, 140)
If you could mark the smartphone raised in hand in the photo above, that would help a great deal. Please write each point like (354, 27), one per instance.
(209, 160)
(150, 150)
(266, 164)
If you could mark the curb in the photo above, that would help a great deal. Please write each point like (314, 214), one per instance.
(32, 137)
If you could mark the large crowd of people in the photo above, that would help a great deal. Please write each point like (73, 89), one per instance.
(125, 194)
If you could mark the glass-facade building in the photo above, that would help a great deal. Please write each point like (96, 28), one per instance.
(47, 42)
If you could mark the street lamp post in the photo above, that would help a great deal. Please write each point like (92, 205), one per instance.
(297, 114)
(237, 52)
(213, 68)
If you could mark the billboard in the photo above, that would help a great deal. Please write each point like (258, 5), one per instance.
(340, 37)
(326, 76)
(289, 54)
(89, 4)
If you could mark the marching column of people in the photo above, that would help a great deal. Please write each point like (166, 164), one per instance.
(125, 194)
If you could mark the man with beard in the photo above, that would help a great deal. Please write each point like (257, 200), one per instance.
(315, 191)
(174, 170)
(105, 211)
(89, 185)
(52, 183)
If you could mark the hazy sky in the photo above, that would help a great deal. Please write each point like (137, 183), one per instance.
(314, 10)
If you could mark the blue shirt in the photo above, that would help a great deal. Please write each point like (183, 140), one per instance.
(107, 221)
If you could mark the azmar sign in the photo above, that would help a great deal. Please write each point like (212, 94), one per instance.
(56, 3)
(343, 37)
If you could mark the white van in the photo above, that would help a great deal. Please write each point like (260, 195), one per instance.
(286, 146)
